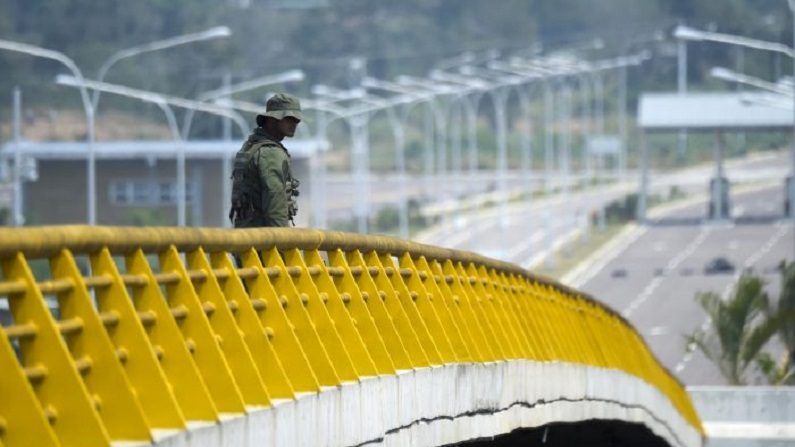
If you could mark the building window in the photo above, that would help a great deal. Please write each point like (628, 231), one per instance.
(147, 192)
(167, 192)
(119, 193)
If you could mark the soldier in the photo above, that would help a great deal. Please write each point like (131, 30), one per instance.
(263, 187)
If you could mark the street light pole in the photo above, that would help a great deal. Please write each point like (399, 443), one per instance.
(212, 33)
(87, 107)
(731, 76)
(622, 122)
(437, 134)
(159, 100)
(687, 33)
(181, 191)
(792, 172)
(682, 89)
(549, 135)
(18, 218)
(500, 98)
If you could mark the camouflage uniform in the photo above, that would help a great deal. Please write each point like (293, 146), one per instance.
(263, 187)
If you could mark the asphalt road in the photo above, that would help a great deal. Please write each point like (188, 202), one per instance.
(525, 232)
(654, 280)
(663, 263)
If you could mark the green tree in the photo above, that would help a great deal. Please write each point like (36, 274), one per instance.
(741, 326)
(786, 308)
(783, 371)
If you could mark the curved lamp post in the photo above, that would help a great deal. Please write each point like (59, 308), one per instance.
(358, 123)
(438, 114)
(87, 107)
(412, 97)
(89, 104)
(687, 33)
(164, 102)
(212, 33)
(728, 75)
(521, 83)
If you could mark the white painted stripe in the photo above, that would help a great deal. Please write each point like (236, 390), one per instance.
(672, 264)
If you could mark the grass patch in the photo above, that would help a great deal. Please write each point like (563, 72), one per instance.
(569, 255)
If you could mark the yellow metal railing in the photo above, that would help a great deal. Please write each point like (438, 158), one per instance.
(168, 328)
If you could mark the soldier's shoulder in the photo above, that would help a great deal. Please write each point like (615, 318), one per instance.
(273, 151)
(266, 142)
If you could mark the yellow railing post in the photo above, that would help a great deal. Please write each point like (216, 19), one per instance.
(199, 336)
(493, 310)
(360, 356)
(438, 301)
(238, 357)
(49, 366)
(426, 324)
(95, 356)
(295, 306)
(278, 327)
(494, 336)
(22, 421)
(404, 326)
(321, 320)
(129, 338)
(466, 326)
(262, 351)
(378, 345)
(480, 331)
(166, 339)
(374, 301)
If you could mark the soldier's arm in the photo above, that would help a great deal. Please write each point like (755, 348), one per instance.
(272, 180)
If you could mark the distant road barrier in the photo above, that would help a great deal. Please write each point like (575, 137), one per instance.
(155, 335)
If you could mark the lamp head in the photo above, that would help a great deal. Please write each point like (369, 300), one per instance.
(294, 76)
(682, 32)
(218, 31)
(722, 73)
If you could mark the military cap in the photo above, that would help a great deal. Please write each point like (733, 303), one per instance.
(282, 105)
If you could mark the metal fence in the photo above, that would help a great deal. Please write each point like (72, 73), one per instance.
(117, 333)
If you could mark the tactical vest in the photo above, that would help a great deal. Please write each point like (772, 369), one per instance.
(246, 209)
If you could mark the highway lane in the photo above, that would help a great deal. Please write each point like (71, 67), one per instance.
(664, 270)
(449, 190)
(529, 230)
(664, 265)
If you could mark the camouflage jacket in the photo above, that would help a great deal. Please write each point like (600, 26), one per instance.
(263, 187)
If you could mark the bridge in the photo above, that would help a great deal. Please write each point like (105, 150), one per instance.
(295, 337)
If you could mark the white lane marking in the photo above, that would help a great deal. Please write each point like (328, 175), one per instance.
(603, 256)
(644, 295)
(753, 259)
(672, 264)
(733, 245)
(548, 230)
(526, 244)
(658, 246)
(540, 256)
(457, 238)
(684, 254)
(659, 330)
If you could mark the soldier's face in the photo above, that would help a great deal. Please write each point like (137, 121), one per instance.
(288, 125)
